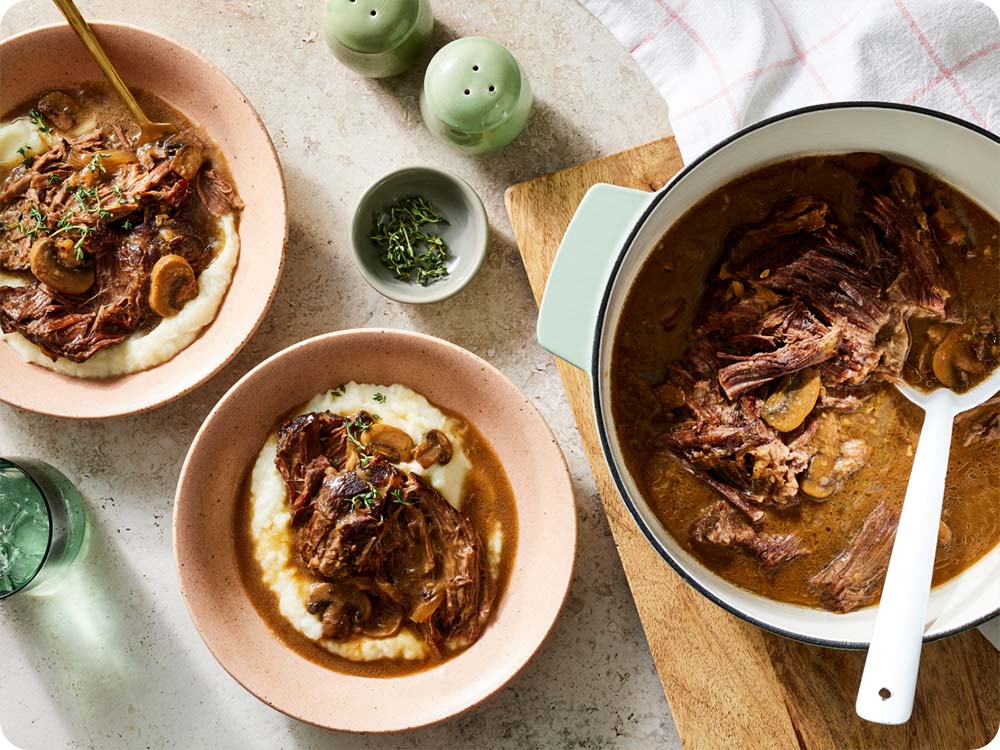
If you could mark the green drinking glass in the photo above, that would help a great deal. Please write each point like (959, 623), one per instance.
(42, 524)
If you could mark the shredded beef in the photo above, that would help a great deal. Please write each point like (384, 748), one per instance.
(800, 290)
(122, 209)
(854, 578)
(721, 526)
(382, 533)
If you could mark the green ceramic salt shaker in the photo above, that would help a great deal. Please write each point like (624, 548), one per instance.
(378, 38)
(475, 95)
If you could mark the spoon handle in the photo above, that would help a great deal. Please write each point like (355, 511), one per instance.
(890, 676)
(82, 28)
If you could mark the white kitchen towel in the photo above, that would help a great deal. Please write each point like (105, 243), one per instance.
(725, 64)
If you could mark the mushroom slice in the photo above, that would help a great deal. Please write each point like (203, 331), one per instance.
(172, 286)
(435, 448)
(343, 606)
(792, 402)
(385, 621)
(818, 481)
(388, 441)
(953, 359)
(320, 596)
(59, 108)
(54, 263)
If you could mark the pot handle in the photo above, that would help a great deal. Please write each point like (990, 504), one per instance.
(567, 317)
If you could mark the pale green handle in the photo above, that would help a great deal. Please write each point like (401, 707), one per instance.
(567, 318)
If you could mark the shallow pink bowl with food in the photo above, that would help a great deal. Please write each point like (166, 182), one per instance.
(211, 487)
(205, 96)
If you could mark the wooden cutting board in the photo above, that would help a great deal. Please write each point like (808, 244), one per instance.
(729, 684)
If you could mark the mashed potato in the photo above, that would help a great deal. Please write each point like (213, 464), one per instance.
(20, 139)
(271, 522)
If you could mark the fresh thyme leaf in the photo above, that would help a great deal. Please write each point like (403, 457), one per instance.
(405, 249)
(127, 224)
(39, 121)
(380, 397)
(35, 214)
(360, 425)
(397, 497)
(339, 390)
(367, 498)
(25, 158)
(54, 178)
(97, 163)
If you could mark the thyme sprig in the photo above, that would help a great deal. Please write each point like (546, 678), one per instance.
(411, 253)
(39, 121)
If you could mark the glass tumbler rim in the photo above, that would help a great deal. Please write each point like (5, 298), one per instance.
(48, 511)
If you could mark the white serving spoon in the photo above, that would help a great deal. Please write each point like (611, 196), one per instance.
(890, 677)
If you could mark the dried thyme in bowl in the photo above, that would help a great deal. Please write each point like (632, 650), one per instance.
(404, 247)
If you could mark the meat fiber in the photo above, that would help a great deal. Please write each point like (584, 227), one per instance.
(721, 526)
(854, 577)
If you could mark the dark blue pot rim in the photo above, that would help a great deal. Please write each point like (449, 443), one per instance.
(595, 365)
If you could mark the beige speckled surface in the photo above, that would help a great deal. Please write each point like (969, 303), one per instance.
(112, 660)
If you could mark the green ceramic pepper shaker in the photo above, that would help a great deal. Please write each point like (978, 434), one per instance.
(378, 38)
(475, 95)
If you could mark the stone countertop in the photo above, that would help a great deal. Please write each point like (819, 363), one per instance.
(112, 659)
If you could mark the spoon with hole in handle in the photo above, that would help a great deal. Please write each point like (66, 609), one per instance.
(149, 131)
(890, 676)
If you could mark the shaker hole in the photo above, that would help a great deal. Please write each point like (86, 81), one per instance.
(885, 694)
(374, 12)
(467, 92)
(492, 89)
(475, 67)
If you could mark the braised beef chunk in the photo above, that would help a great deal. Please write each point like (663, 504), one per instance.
(854, 578)
(307, 447)
(368, 527)
(805, 214)
(216, 193)
(980, 425)
(721, 526)
(108, 210)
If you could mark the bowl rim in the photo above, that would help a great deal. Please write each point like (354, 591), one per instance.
(219, 365)
(602, 427)
(569, 545)
(421, 295)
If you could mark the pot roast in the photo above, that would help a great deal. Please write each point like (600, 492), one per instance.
(836, 277)
(385, 548)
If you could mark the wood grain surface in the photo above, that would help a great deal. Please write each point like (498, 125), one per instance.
(729, 684)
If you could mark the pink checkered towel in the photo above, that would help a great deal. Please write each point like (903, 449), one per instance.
(724, 64)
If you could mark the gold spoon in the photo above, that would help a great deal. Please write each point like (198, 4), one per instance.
(148, 130)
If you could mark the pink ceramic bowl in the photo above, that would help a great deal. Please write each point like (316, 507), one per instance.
(199, 90)
(210, 488)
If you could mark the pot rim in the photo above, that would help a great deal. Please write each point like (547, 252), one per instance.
(595, 379)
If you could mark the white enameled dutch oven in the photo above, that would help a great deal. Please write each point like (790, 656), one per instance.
(614, 231)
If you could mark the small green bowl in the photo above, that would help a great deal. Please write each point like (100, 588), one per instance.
(466, 232)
